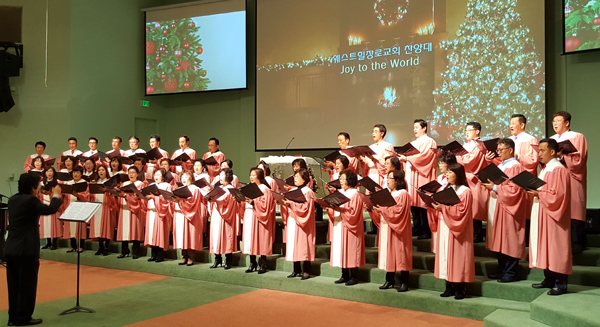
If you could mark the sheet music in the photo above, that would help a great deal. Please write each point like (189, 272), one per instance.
(80, 211)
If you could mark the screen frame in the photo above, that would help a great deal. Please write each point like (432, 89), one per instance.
(192, 92)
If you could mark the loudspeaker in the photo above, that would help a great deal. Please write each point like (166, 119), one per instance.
(6, 99)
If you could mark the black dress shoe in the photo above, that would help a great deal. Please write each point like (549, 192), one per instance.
(403, 287)
(152, 259)
(252, 267)
(135, 257)
(447, 293)
(47, 246)
(54, 247)
(292, 275)
(540, 285)
(459, 296)
(159, 260)
(424, 237)
(122, 255)
(105, 252)
(190, 264)
(341, 281)
(556, 291)
(99, 252)
(29, 323)
(386, 285)
(262, 270)
(227, 266)
(182, 263)
(506, 280)
(352, 281)
(71, 251)
(495, 276)
(305, 276)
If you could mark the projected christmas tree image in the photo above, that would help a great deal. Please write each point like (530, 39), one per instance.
(173, 52)
(492, 73)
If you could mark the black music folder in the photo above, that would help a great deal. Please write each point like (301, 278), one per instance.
(369, 184)
(215, 193)
(528, 181)
(334, 199)
(332, 156)
(97, 188)
(431, 187)
(356, 151)
(455, 148)
(154, 154)
(151, 189)
(131, 188)
(382, 198)
(407, 150)
(182, 192)
(64, 177)
(566, 147)
(251, 191)
(290, 181)
(210, 161)
(295, 196)
(238, 195)
(280, 183)
(201, 183)
(183, 158)
(493, 173)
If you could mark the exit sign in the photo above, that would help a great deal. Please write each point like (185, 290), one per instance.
(145, 103)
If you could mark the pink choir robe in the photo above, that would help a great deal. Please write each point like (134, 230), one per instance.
(61, 158)
(395, 247)
(186, 165)
(257, 233)
(433, 216)
(223, 236)
(420, 168)
(375, 169)
(576, 163)
(187, 223)
(70, 228)
(454, 256)
(29, 161)
(300, 229)
(90, 153)
(104, 221)
(510, 214)
(526, 146)
(50, 226)
(347, 245)
(550, 238)
(204, 207)
(474, 161)
(158, 220)
(354, 165)
(214, 170)
(131, 216)
(333, 215)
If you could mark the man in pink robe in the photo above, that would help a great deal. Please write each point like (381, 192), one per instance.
(420, 170)
(474, 161)
(184, 147)
(511, 210)
(526, 145)
(213, 151)
(73, 152)
(550, 240)
(576, 164)
(40, 147)
(343, 140)
(153, 164)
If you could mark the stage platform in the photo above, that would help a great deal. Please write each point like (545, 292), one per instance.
(508, 304)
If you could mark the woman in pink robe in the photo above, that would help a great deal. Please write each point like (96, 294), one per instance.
(102, 225)
(131, 217)
(203, 209)
(341, 163)
(550, 239)
(158, 219)
(454, 256)
(347, 245)
(224, 217)
(433, 216)
(50, 227)
(187, 224)
(70, 229)
(258, 236)
(395, 248)
(300, 228)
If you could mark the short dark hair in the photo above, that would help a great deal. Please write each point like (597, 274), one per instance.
(522, 118)
(214, 139)
(260, 174)
(27, 182)
(134, 168)
(90, 159)
(189, 173)
(72, 139)
(421, 122)
(300, 162)
(266, 167)
(395, 162)
(351, 177)
(228, 174)
(36, 159)
(304, 175)
(44, 178)
(398, 175)
(162, 172)
(346, 135)
(42, 143)
(164, 159)
(187, 139)
(93, 138)
(118, 138)
(459, 170)
(156, 137)
(447, 157)
(77, 168)
(381, 128)
(134, 137)
(229, 163)
(552, 144)
(475, 125)
(565, 115)
(507, 142)
(344, 160)
(142, 160)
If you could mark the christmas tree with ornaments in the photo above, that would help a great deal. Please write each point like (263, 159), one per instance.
(173, 52)
(493, 72)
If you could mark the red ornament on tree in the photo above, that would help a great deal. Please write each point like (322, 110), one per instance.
(204, 74)
(192, 24)
(186, 45)
(165, 31)
(171, 86)
(186, 85)
(163, 76)
(572, 43)
(596, 21)
(178, 53)
(173, 25)
(149, 89)
(147, 29)
(200, 50)
(162, 49)
(157, 58)
(178, 68)
(185, 64)
(150, 47)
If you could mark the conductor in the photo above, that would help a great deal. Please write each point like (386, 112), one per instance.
(22, 249)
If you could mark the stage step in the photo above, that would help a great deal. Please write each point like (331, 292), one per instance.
(510, 318)
(567, 310)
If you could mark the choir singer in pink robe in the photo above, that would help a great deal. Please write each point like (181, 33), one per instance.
(158, 219)
(549, 242)
(576, 164)
(395, 233)
(50, 227)
(213, 151)
(343, 141)
(40, 147)
(445, 159)
(341, 164)
(224, 215)
(257, 234)
(300, 228)
(131, 216)
(347, 245)
(187, 223)
(454, 256)
(509, 217)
